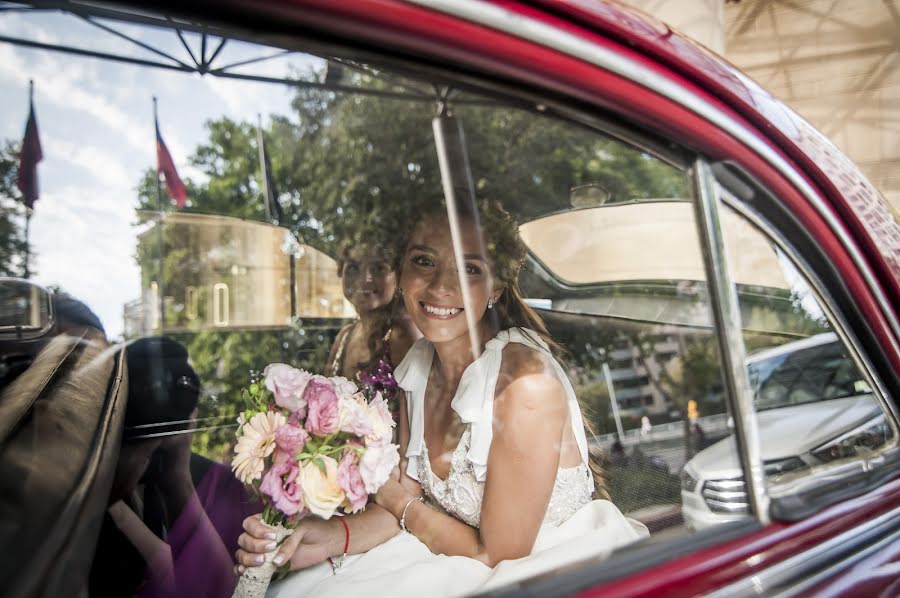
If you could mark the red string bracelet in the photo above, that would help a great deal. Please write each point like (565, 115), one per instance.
(334, 567)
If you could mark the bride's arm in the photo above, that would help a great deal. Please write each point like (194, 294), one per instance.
(530, 415)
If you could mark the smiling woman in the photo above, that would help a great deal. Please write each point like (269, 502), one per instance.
(497, 457)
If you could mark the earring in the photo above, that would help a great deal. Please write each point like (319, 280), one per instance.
(491, 303)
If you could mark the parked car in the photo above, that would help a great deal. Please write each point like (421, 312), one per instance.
(676, 216)
(813, 408)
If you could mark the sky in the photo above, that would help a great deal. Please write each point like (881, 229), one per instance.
(96, 128)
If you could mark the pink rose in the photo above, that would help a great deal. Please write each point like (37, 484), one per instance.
(323, 416)
(290, 438)
(350, 481)
(281, 483)
(376, 465)
(287, 384)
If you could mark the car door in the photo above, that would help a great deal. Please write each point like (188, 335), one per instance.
(668, 239)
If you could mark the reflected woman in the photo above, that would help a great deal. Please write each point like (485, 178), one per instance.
(367, 349)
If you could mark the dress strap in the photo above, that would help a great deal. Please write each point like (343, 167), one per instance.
(412, 376)
(337, 366)
(474, 400)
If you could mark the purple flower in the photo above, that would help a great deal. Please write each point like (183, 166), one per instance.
(323, 416)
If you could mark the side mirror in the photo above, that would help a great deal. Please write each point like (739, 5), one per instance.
(26, 310)
(26, 324)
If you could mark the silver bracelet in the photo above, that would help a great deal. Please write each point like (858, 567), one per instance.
(403, 515)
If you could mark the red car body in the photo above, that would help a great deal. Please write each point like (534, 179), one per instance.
(604, 56)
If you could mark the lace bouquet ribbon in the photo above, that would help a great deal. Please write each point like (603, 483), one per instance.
(255, 580)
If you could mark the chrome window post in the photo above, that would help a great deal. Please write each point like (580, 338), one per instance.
(727, 318)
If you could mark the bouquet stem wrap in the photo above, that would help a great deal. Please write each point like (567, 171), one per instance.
(255, 580)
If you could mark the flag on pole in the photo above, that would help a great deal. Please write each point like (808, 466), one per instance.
(30, 155)
(166, 166)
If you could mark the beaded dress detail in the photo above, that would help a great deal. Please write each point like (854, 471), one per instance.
(461, 494)
(378, 378)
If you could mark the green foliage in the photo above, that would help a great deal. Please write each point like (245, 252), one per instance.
(226, 362)
(12, 215)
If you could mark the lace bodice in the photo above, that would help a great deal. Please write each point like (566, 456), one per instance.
(461, 493)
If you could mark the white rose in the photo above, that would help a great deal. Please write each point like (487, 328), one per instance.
(382, 423)
(321, 491)
(376, 465)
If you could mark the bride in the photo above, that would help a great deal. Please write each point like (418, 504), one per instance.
(497, 482)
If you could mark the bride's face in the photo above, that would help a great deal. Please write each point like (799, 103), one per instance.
(431, 284)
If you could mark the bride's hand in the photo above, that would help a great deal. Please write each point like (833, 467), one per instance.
(397, 491)
(312, 542)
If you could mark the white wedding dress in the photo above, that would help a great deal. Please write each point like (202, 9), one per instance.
(575, 528)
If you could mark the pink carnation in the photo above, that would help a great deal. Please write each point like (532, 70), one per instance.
(377, 464)
(282, 485)
(351, 482)
(381, 421)
(323, 416)
(288, 385)
(354, 415)
(290, 438)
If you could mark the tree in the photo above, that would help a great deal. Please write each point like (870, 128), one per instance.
(346, 163)
(12, 215)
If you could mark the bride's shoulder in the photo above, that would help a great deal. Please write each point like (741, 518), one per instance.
(527, 375)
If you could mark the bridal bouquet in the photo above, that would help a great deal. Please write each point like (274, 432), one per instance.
(309, 445)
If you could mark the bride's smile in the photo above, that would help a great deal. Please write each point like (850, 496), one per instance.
(437, 311)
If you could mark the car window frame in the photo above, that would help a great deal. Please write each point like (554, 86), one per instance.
(811, 491)
(669, 556)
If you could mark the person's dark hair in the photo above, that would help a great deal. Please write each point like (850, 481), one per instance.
(506, 252)
(72, 312)
(377, 239)
(162, 385)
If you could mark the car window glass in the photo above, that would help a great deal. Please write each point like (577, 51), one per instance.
(286, 240)
(815, 407)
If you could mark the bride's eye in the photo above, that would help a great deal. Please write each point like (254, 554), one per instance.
(422, 260)
(473, 269)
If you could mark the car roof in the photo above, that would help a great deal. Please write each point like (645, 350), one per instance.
(806, 343)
